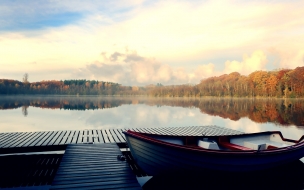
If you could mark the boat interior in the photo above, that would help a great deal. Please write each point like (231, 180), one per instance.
(258, 141)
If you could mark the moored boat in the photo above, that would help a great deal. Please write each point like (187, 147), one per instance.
(161, 154)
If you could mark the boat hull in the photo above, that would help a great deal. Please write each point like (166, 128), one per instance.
(161, 158)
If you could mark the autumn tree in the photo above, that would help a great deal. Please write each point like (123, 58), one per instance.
(258, 82)
(25, 78)
(282, 85)
(271, 84)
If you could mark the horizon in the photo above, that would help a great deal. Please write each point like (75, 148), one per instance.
(142, 85)
(148, 42)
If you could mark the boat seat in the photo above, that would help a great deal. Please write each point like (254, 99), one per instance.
(233, 146)
(224, 142)
(208, 145)
(272, 144)
(265, 144)
(255, 146)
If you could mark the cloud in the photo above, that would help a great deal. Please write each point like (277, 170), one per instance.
(130, 68)
(114, 56)
(244, 125)
(289, 58)
(257, 61)
(95, 70)
(203, 71)
(133, 57)
(183, 36)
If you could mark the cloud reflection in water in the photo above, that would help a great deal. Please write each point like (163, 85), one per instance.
(73, 113)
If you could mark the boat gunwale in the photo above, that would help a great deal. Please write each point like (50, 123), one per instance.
(143, 136)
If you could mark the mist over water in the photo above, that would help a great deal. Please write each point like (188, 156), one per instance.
(38, 113)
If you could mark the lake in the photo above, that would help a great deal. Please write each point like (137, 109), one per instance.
(44, 113)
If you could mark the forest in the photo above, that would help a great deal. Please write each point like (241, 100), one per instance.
(283, 83)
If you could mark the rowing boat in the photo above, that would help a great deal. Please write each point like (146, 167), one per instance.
(163, 154)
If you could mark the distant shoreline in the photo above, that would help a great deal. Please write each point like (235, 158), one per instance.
(143, 96)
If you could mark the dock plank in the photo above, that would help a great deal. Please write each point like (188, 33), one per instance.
(148, 130)
(85, 178)
(113, 135)
(80, 136)
(16, 141)
(177, 130)
(183, 130)
(172, 131)
(59, 138)
(75, 137)
(114, 132)
(163, 131)
(30, 139)
(49, 141)
(85, 136)
(80, 168)
(118, 134)
(65, 138)
(121, 133)
(46, 137)
(105, 136)
(95, 136)
(100, 136)
(24, 138)
(190, 131)
(90, 136)
(70, 137)
(1, 135)
(11, 140)
(111, 138)
(56, 138)
(154, 131)
(40, 139)
(6, 137)
(136, 129)
(145, 130)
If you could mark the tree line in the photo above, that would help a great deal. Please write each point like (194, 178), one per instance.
(66, 87)
(283, 83)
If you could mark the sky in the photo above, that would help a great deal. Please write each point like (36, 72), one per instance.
(139, 42)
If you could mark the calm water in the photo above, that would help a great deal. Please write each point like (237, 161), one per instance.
(37, 113)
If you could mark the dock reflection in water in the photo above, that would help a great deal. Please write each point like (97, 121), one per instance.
(288, 176)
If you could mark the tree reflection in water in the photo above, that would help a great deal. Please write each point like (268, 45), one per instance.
(283, 112)
(288, 176)
(24, 110)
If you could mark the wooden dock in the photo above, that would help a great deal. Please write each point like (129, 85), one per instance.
(94, 166)
(36, 170)
(90, 158)
(58, 140)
